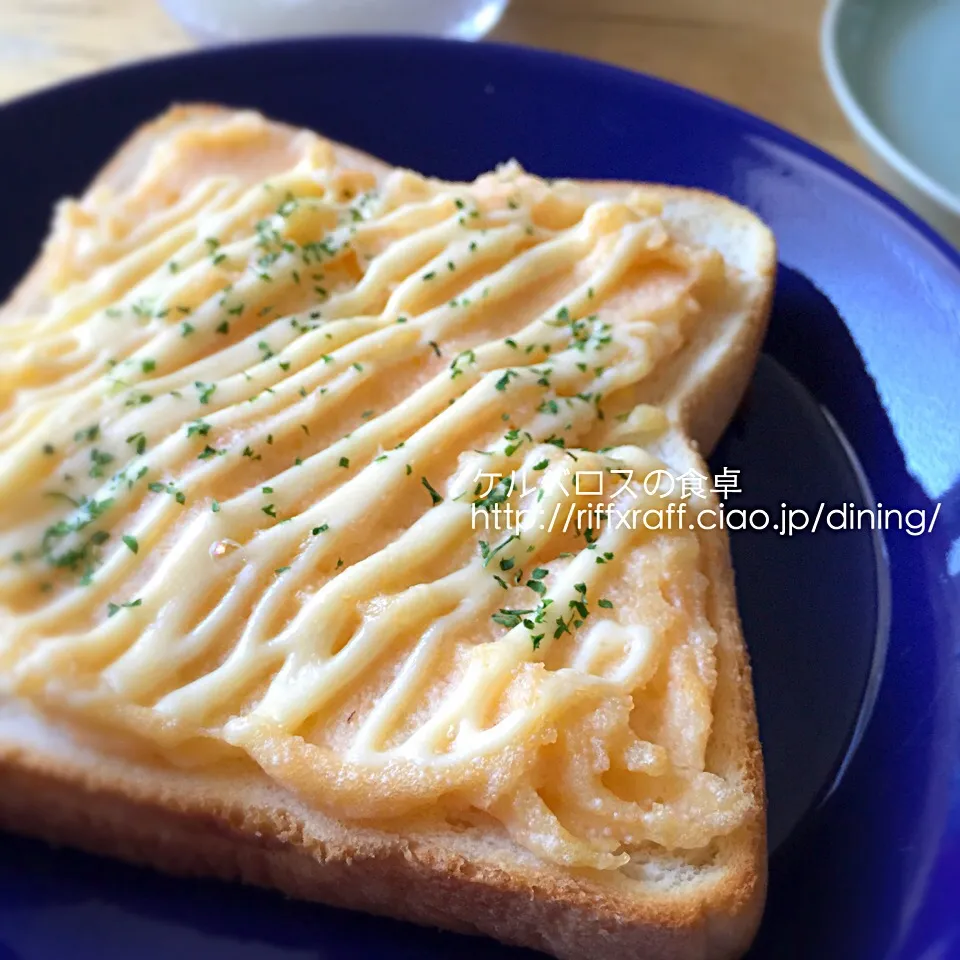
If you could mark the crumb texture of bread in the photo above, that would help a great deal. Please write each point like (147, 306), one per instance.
(240, 827)
(199, 758)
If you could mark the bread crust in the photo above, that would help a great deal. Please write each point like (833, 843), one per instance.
(238, 825)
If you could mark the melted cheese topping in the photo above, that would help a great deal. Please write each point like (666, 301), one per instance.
(239, 491)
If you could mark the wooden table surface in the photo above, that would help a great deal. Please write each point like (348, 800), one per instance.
(759, 54)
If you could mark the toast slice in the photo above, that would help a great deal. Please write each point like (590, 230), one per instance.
(75, 772)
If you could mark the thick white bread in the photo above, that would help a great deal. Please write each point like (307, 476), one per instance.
(64, 785)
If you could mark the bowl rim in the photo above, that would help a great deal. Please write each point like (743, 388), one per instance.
(864, 125)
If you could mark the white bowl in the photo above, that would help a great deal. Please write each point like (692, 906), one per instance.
(904, 46)
(229, 21)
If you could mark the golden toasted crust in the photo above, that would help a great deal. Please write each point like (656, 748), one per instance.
(705, 385)
(237, 824)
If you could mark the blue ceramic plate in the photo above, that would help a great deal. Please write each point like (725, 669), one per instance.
(854, 634)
